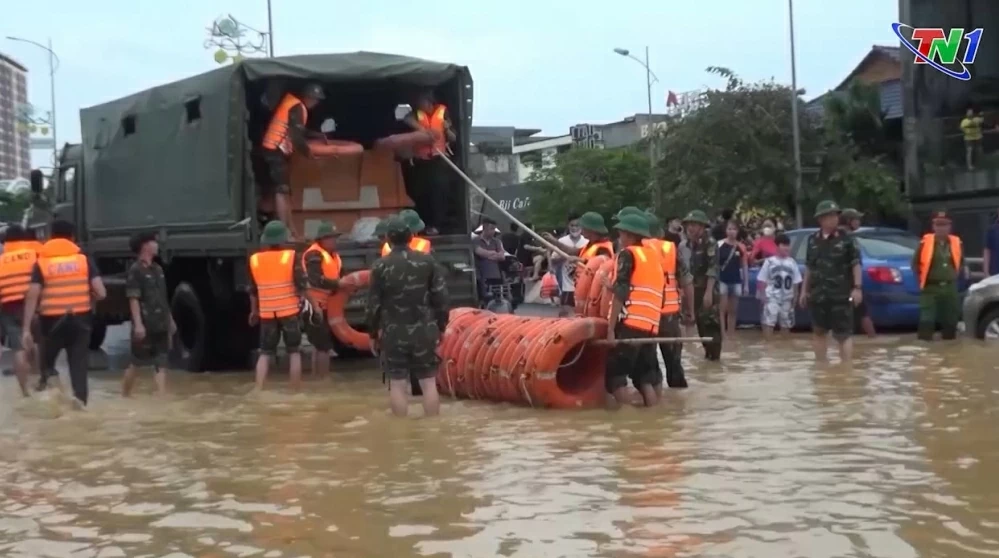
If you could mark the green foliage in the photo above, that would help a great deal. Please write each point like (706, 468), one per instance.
(12, 206)
(601, 180)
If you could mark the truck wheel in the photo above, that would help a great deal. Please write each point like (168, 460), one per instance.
(189, 344)
(98, 331)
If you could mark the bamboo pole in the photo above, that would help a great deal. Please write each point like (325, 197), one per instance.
(652, 340)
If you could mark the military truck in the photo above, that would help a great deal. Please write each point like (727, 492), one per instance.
(180, 159)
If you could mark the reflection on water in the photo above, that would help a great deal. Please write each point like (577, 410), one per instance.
(766, 456)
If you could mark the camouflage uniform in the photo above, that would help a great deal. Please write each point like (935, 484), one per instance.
(830, 261)
(148, 284)
(273, 330)
(703, 265)
(317, 329)
(407, 309)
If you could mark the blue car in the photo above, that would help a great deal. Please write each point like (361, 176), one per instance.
(891, 289)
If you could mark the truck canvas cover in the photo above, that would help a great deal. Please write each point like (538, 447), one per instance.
(175, 155)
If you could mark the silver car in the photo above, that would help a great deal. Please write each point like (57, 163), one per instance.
(981, 309)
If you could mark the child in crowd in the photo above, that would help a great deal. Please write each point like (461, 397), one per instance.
(777, 288)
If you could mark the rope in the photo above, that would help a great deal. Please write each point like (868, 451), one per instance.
(575, 359)
(527, 394)
(447, 374)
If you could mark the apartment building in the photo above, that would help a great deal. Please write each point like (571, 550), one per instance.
(15, 146)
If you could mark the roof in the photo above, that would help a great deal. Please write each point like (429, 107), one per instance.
(891, 100)
(501, 134)
(12, 62)
(877, 51)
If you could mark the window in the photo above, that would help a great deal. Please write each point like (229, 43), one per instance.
(193, 110)
(888, 246)
(128, 125)
(801, 250)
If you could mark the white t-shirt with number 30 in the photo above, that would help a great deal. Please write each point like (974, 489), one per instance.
(780, 275)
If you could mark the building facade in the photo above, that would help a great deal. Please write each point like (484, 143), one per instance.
(936, 173)
(15, 144)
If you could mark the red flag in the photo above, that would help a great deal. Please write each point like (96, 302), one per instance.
(671, 99)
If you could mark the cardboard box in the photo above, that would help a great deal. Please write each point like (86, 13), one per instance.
(372, 181)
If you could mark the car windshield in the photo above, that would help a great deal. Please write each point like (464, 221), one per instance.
(880, 246)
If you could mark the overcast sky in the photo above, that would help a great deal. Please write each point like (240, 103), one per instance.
(536, 64)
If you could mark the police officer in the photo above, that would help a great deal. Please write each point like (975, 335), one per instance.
(938, 263)
(704, 269)
(322, 267)
(16, 263)
(851, 221)
(407, 313)
(275, 302)
(64, 282)
(831, 288)
(416, 226)
(285, 135)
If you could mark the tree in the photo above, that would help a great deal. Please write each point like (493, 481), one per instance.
(584, 179)
(736, 151)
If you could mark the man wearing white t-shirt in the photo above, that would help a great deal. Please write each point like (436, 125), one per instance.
(777, 287)
(571, 243)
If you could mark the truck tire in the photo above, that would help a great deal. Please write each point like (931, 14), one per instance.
(192, 329)
(98, 331)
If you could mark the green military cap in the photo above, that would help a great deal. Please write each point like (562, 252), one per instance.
(593, 221)
(851, 213)
(397, 224)
(325, 229)
(629, 210)
(274, 233)
(655, 227)
(412, 219)
(634, 223)
(380, 227)
(940, 216)
(826, 207)
(697, 216)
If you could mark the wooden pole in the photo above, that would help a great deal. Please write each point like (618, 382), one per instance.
(651, 341)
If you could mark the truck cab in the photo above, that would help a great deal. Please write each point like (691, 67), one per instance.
(182, 160)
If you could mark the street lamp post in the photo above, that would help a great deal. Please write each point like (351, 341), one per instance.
(796, 129)
(270, 31)
(53, 65)
(650, 78)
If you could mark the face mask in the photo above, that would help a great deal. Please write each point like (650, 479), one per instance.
(767, 231)
(575, 233)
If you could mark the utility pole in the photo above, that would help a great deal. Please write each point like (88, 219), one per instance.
(270, 30)
(650, 78)
(52, 96)
(796, 132)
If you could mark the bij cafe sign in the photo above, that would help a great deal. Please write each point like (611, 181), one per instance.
(518, 203)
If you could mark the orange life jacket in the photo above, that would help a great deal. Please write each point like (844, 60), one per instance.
(16, 264)
(31, 245)
(591, 249)
(433, 123)
(926, 248)
(276, 136)
(274, 275)
(66, 279)
(644, 306)
(331, 270)
(671, 288)
(416, 244)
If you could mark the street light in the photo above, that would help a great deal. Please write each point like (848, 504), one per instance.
(270, 31)
(53, 66)
(796, 131)
(650, 78)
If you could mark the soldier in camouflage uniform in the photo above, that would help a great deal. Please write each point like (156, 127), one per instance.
(704, 269)
(669, 325)
(407, 313)
(152, 323)
(831, 288)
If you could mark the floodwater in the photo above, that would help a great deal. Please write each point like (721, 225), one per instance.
(766, 455)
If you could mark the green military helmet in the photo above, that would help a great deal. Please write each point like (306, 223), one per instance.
(274, 234)
(697, 216)
(412, 219)
(629, 210)
(396, 224)
(826, 207)
(655, 227)
(851, 213)
(635, 223)
(326, 229)
(593, 221)
(380, 227)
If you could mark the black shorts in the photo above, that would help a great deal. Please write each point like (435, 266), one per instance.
(273, 330)
(637, 362)
(318, 331)
(276, 179)
(152, 350)
(12, 331)
(836, 317)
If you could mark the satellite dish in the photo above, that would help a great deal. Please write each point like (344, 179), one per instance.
(328, 126)
(226, 26)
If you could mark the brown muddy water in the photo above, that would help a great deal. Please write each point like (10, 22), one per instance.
(766, 455)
